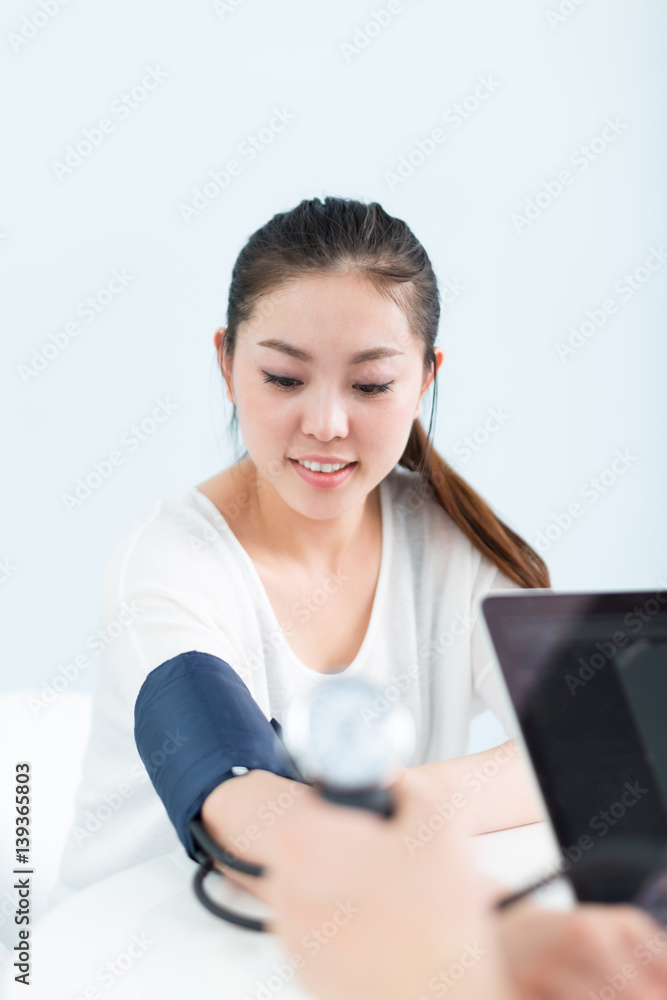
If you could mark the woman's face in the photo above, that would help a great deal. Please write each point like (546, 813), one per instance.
(326, 405)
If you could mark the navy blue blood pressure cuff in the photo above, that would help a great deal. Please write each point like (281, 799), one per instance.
(195, 720)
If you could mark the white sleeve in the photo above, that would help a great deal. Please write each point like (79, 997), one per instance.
(165, 596)
(489, 688)
(162, 594)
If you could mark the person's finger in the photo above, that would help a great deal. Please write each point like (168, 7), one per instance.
(608, 938)
(645, 944)
(564, 981)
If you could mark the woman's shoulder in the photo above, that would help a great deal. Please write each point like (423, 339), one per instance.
(182, 535)
(436, 543)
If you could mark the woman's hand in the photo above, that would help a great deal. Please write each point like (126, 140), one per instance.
(362, 915)
(579, 954)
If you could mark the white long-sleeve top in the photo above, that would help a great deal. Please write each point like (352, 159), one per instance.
(180, 580)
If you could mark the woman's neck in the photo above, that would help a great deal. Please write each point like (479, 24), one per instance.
(290, 538)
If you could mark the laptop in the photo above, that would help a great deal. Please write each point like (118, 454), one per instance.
(586, 675)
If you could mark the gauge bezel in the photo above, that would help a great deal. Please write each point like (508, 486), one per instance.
(397, 728)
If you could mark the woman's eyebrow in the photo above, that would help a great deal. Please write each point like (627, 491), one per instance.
(356, 359)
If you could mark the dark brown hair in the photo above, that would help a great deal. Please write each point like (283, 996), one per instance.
(340, 235)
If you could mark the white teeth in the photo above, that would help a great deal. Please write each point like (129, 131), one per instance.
(318, 467)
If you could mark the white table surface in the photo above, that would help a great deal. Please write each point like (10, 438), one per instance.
(189, 954)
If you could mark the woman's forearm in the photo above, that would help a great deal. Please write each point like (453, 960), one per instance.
(487, 791)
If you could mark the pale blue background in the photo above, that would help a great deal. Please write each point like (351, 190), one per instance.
(120, 210)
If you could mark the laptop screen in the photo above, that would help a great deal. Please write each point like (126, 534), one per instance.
(587, 675)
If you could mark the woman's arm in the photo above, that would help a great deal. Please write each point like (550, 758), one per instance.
(213, 728)
(486, 791)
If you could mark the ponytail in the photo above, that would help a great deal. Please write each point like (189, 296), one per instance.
(469, 512)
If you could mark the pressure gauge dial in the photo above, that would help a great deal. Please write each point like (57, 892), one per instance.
(343, 744)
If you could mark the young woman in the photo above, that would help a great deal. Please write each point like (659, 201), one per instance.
(340, 542)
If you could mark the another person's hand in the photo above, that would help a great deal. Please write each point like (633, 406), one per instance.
(588, 952)
(361, 916)
(245, 816)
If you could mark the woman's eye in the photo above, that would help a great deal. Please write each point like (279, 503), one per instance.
(364, 390)
(277, 380)
(375, 389)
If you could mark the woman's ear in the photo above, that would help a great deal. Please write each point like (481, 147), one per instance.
(439, 356)
(224, 362)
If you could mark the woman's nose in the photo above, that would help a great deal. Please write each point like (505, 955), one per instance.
(324, 415)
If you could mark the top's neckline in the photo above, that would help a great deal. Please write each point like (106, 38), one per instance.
(378, 598)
